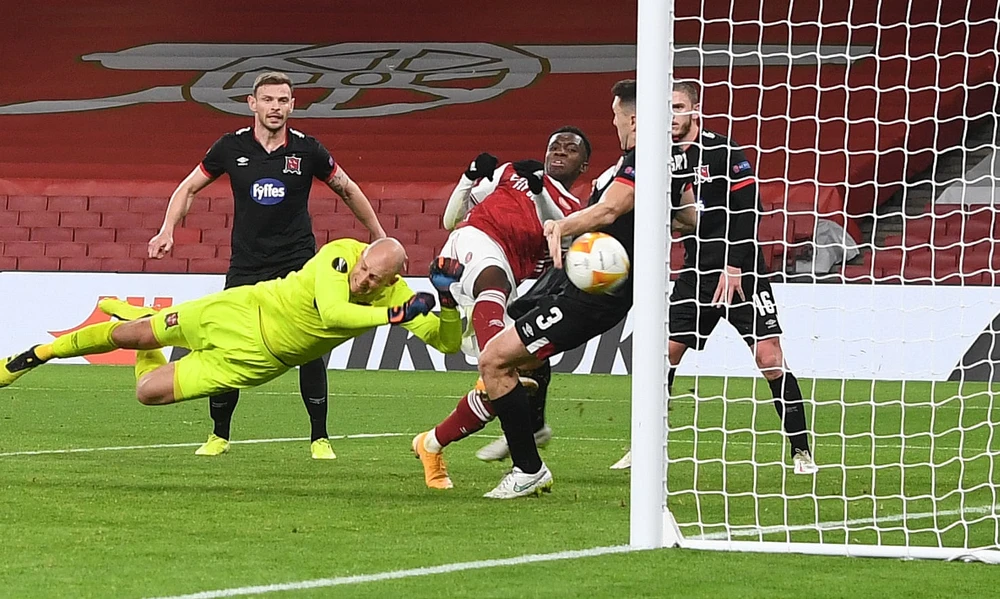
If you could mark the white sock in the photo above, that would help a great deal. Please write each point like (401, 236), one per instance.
(431, 443)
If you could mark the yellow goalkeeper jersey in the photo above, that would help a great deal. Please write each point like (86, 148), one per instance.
(311, 311)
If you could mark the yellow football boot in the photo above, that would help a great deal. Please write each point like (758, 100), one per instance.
(321, 450)
(215, 445)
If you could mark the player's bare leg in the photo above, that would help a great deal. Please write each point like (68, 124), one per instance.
(536, 381)
(498, 366)
(787, 401)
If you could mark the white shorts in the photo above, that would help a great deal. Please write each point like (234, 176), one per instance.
(476, 251)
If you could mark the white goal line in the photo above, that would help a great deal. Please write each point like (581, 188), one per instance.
(398, 574)
(853, 524)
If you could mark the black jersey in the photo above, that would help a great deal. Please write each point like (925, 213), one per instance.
(271, 224)
(726, 198)
(623, 228)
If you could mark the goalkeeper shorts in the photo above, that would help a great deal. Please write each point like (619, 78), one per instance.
(223, 332)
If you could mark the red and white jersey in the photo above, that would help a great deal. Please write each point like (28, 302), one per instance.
(504, 209)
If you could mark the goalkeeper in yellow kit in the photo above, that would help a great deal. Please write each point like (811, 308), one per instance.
(246, 336)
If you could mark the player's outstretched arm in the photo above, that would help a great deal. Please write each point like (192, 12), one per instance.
(441, 331)
(357, 201)
(178, 207)
(617, 200)
(459, 203)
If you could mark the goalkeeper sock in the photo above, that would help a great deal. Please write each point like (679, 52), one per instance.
(313, 387)
(791, 410)
(487, 315)
(469, 416)
(514, 412)
(543, 376)
(148, 360)
(221, 408)
(92, 339)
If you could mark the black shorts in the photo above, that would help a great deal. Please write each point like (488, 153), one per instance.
(554, 316)
(693, 318)
(239, 279)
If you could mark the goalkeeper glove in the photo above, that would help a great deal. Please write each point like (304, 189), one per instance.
(419, 305)
(444, 272)
(531, 171)
(482, 166)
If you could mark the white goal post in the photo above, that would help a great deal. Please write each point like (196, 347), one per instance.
(896, 345)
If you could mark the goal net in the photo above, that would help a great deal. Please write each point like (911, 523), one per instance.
(871, 130)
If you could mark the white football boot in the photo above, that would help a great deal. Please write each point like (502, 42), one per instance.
(519, 484)
(804, 463)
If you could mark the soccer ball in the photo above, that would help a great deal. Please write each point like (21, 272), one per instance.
(597, 263)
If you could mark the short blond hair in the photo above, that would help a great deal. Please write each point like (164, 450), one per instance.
(272, 78)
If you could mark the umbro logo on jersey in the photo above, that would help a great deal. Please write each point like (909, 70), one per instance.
(293, 165)
(242, 161)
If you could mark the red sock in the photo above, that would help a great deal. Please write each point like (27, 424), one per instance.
(487, 315)
(469, 416)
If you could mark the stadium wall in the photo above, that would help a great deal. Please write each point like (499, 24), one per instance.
(913, 333)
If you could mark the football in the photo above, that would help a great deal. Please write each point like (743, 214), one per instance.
(597, 263)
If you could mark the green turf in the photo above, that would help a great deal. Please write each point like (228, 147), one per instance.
(160, 521)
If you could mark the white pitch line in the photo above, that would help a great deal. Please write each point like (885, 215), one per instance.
(546, 557)
(388, 435)
(398, 574)
(176, 445)
(737, 532)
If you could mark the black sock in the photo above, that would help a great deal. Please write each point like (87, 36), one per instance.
(514, 412)
(221, 408)
(542, 374)
(670, 380)
(791, 410)
(313, 386)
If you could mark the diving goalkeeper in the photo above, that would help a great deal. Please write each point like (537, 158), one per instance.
(245, 336)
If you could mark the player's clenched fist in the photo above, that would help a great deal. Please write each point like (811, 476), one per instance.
(532, 172)
(482, 166)
(443, 273)
(420, 304)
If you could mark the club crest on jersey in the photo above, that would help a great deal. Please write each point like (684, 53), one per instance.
(170, 320)
(703, 173)
(340, 265)
(293, 165)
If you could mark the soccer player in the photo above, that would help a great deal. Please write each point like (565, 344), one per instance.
(724, 274)
(497, 235)
(271, 168)
(245, 336)
(556, 316)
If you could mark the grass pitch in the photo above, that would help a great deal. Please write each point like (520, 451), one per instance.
(143, 517)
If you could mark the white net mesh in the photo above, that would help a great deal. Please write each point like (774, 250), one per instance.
(871, 128)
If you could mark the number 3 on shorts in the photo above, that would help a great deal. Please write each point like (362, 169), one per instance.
(544, 321)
